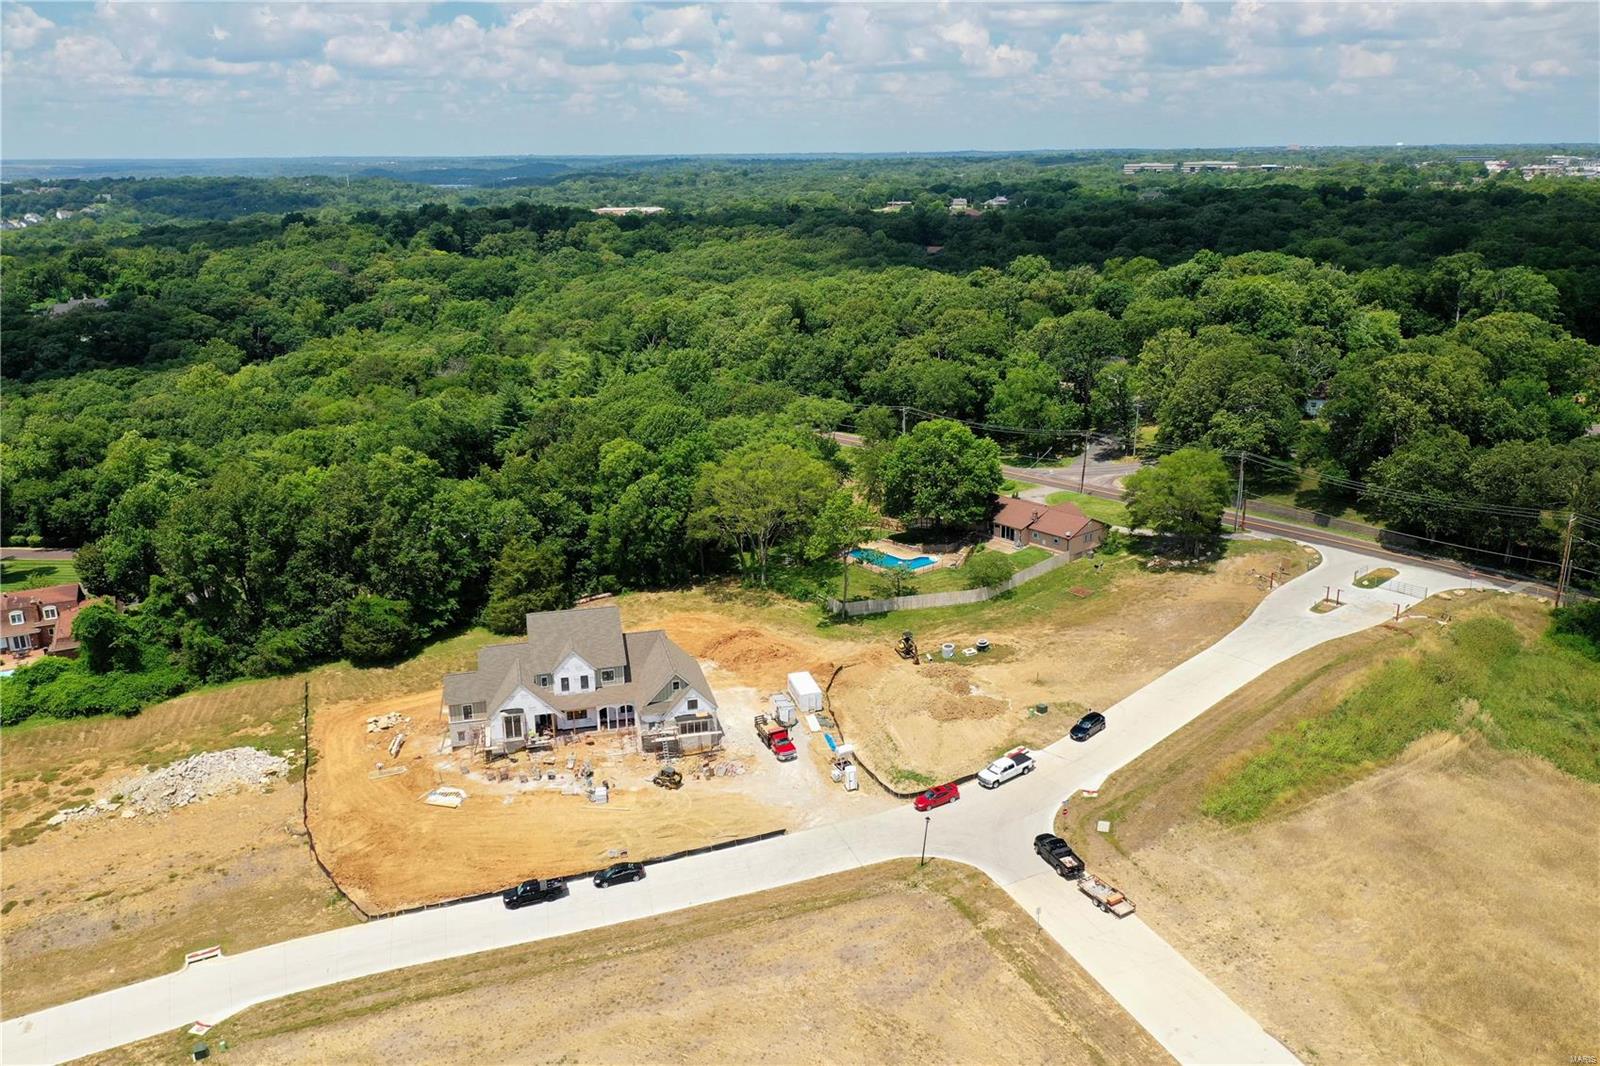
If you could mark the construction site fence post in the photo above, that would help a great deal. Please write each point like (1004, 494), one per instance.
(305, 802)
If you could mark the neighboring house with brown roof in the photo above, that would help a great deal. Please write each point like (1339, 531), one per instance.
(1059, 527)
(40, 620)
(578, 672)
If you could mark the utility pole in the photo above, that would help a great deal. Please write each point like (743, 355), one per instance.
(845, 602)
(1083, 475)
(1565, 573)
(1238, 510)
(927, 820)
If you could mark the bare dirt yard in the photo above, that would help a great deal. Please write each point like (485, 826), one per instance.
(390, 850)
(1081, 637)
(94, 904)
(888, 964)
(1438, 908)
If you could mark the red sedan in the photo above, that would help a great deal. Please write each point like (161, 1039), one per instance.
(937, 796)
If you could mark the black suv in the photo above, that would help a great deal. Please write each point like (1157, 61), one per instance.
(533, 892)
(1088, 725)
(618, 874)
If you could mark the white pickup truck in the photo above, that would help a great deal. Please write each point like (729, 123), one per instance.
(1006, 767)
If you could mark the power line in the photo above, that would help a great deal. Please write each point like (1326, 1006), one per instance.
(1366, 488)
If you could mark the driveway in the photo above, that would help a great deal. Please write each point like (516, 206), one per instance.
(993, 831)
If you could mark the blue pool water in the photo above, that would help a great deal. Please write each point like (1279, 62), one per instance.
(878, 558)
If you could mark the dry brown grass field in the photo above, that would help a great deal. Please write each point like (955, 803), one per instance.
(889, 964)
(1440, 909)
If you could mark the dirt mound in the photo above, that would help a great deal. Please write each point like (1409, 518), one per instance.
(966, 705)
(747, 647)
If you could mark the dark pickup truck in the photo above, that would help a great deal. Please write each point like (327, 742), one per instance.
(533, 892)
(1058, 854)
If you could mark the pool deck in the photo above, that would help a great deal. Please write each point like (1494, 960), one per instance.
(899, 551)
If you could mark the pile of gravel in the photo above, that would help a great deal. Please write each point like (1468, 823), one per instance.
(199, 777)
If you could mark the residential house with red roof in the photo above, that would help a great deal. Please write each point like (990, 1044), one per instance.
(40, 620)
(1057, 527)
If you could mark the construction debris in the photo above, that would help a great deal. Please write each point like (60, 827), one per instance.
(191, 780)
(394, 745)
(445, 796)
(386, 721)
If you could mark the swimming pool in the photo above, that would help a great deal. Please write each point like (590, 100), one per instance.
(891, 562)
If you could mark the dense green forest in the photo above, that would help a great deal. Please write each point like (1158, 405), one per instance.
(303, 435)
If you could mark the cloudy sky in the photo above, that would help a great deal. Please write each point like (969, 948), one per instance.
(241, 78)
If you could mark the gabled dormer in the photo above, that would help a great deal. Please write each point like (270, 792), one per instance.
(572, 675)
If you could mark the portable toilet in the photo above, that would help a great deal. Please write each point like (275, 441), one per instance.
(850, 782)
(805, 692)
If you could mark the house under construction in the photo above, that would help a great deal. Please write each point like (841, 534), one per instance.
(579, 672)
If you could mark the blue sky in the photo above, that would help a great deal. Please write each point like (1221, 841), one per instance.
(220, 79)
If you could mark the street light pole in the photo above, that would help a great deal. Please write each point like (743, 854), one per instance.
(927, 820)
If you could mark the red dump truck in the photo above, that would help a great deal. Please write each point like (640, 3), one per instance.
(776, 738)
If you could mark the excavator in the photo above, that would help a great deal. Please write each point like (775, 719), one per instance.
(907, 647)
(667, 777)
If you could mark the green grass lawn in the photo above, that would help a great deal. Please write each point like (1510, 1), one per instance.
(1045, 596)
(18, 574)
(1524, 694)
(1111, 512)
(1373, 578)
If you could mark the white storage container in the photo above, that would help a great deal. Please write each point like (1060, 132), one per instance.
(805, 691)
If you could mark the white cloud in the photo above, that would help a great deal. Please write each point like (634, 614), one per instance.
(1358, 62)
(965, 71)
(24, 27)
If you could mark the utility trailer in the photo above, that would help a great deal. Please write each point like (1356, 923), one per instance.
(1102, 895)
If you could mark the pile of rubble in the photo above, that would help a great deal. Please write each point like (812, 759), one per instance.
(386, 721)
(199, 777)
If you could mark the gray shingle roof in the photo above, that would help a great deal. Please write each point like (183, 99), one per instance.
(649, 658)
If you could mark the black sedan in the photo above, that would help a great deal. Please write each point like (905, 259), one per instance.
(1088, 725)
(621, 873)
(533, 892)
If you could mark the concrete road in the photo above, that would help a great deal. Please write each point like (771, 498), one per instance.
(992, 831)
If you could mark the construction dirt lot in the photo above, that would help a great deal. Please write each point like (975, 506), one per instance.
(1079, 638)
(911, 723)
(98, 903)
(889, 964)
(1439, 909)
(104, 902)
(390, 850)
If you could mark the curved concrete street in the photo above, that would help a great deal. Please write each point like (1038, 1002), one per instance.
(993, 831)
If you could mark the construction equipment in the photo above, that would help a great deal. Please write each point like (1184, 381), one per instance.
(667, 777)
(907, 647)
(776, 737)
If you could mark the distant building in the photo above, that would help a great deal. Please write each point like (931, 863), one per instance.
(1059, 527)
(1196, 166)
(959, 204)
(1495, 166)
(996, 202)
(40, 620)
(31, 219)
(634, 209)
(1543, 170)
(892, 206)
(62, 212)
(1149, 168)
(82, 303)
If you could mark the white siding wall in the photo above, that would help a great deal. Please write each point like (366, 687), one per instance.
(573, 668)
